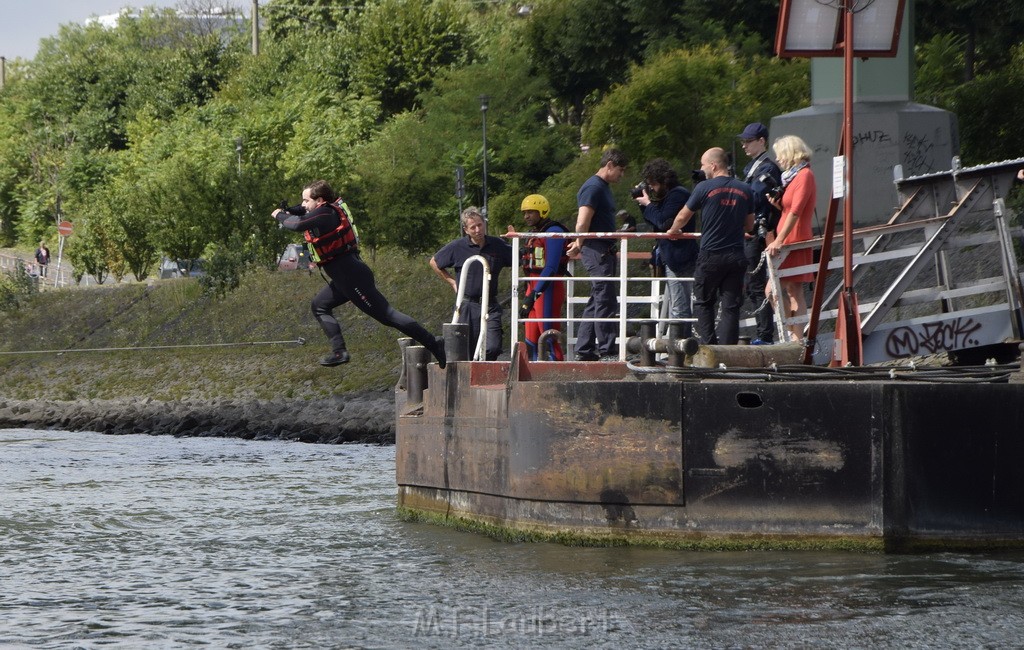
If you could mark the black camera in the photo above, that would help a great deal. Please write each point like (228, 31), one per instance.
(698, 175)
(639, 189)
(773, 189)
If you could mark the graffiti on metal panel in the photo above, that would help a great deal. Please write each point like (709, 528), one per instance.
(929, 338)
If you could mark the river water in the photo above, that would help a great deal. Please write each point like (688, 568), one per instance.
(154, 541)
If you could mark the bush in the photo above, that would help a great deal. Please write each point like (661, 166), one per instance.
(15, 288)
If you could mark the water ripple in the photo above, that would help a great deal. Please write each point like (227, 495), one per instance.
(142, 541)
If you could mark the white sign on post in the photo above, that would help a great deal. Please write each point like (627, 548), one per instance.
(838, 177)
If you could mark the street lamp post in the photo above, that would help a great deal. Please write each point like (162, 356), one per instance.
(238, 150)
(484, 99)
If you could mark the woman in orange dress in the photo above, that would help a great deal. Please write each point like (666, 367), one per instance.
(797, 205)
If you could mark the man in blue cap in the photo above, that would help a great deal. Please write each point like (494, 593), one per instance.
(762, 174)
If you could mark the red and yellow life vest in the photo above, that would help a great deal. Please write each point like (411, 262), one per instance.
(535, 255)
(341, 241)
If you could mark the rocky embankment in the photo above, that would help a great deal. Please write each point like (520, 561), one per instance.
(365, 417)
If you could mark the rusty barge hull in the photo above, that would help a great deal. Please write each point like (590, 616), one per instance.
(593, 453)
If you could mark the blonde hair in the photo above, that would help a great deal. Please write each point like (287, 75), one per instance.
(791, 150)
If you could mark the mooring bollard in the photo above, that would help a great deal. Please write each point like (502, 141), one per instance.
(456, 341)
(648, 331)
(403, 343)
(677, 331)
(416, 359)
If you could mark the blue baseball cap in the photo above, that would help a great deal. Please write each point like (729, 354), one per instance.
(754, 131)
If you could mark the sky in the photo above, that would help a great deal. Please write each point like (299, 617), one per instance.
(24, 22)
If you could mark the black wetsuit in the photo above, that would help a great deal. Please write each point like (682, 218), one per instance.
(352, 280)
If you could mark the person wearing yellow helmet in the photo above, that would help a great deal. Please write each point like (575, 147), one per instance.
(543, 258)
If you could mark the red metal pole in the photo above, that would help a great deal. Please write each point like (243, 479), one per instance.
(849, 326)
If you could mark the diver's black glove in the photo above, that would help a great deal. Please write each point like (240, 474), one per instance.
(527, 305)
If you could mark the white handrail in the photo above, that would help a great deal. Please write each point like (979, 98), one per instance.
(485, 295)
(623, 279)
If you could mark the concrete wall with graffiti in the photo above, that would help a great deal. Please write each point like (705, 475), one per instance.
(922, 139)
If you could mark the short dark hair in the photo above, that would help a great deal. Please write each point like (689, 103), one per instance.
(615, 157)
(321, 190)
(661, 172)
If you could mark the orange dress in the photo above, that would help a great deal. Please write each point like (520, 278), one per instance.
(799, 198)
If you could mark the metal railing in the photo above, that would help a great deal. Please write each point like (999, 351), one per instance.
(653, 298)
(52, 278)
(479, 350)
(941, 275)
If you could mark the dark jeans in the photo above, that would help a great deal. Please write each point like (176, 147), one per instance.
(754, 288)
(470, 314)
(719, 274)
(352, 280)
(599, 260)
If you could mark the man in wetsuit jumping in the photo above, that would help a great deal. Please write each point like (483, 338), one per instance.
(329, 233)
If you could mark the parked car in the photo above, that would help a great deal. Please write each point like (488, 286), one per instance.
(295, 256)
(181, 268)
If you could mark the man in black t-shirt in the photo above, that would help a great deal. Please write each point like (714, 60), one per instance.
(454, 255)
(726, 212)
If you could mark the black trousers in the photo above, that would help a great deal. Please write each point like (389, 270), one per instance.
(754, 288)
(351, 280)
(719, 275)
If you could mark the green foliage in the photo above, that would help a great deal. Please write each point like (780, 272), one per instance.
(401, 45)
(986, 31)
(15, 288)
(993, 103)
(226, 263)
(685, 101)
(939, 68)
(158, 140)
(307, 18)
(582, 47)
(405, 176)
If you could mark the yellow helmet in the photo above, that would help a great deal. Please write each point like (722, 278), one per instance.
(538, 203)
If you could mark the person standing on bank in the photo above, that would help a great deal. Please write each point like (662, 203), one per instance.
(660, 202)
(762, 174)
(797, 205)
(544, 257)
(597, 214)
(454, 255)
(42, 258)
(332, 239)
(726, 208)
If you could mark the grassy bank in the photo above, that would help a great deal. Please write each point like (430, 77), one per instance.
(269, 306)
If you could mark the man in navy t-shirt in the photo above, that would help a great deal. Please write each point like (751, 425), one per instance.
(454, 255)
(726, 208)
(597, 214)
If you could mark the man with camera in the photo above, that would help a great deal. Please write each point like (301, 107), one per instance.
(726, 208)
(764, 176)
(597, 214)
(661, 197)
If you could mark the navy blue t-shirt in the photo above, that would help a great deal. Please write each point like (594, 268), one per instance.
(724, 204)
(496, 251)
(597, 194)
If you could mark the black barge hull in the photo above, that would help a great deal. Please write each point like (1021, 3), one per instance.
(594, 453)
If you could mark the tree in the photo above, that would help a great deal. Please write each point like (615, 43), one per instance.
(989, 29)
(582, 47)
(401, 45)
